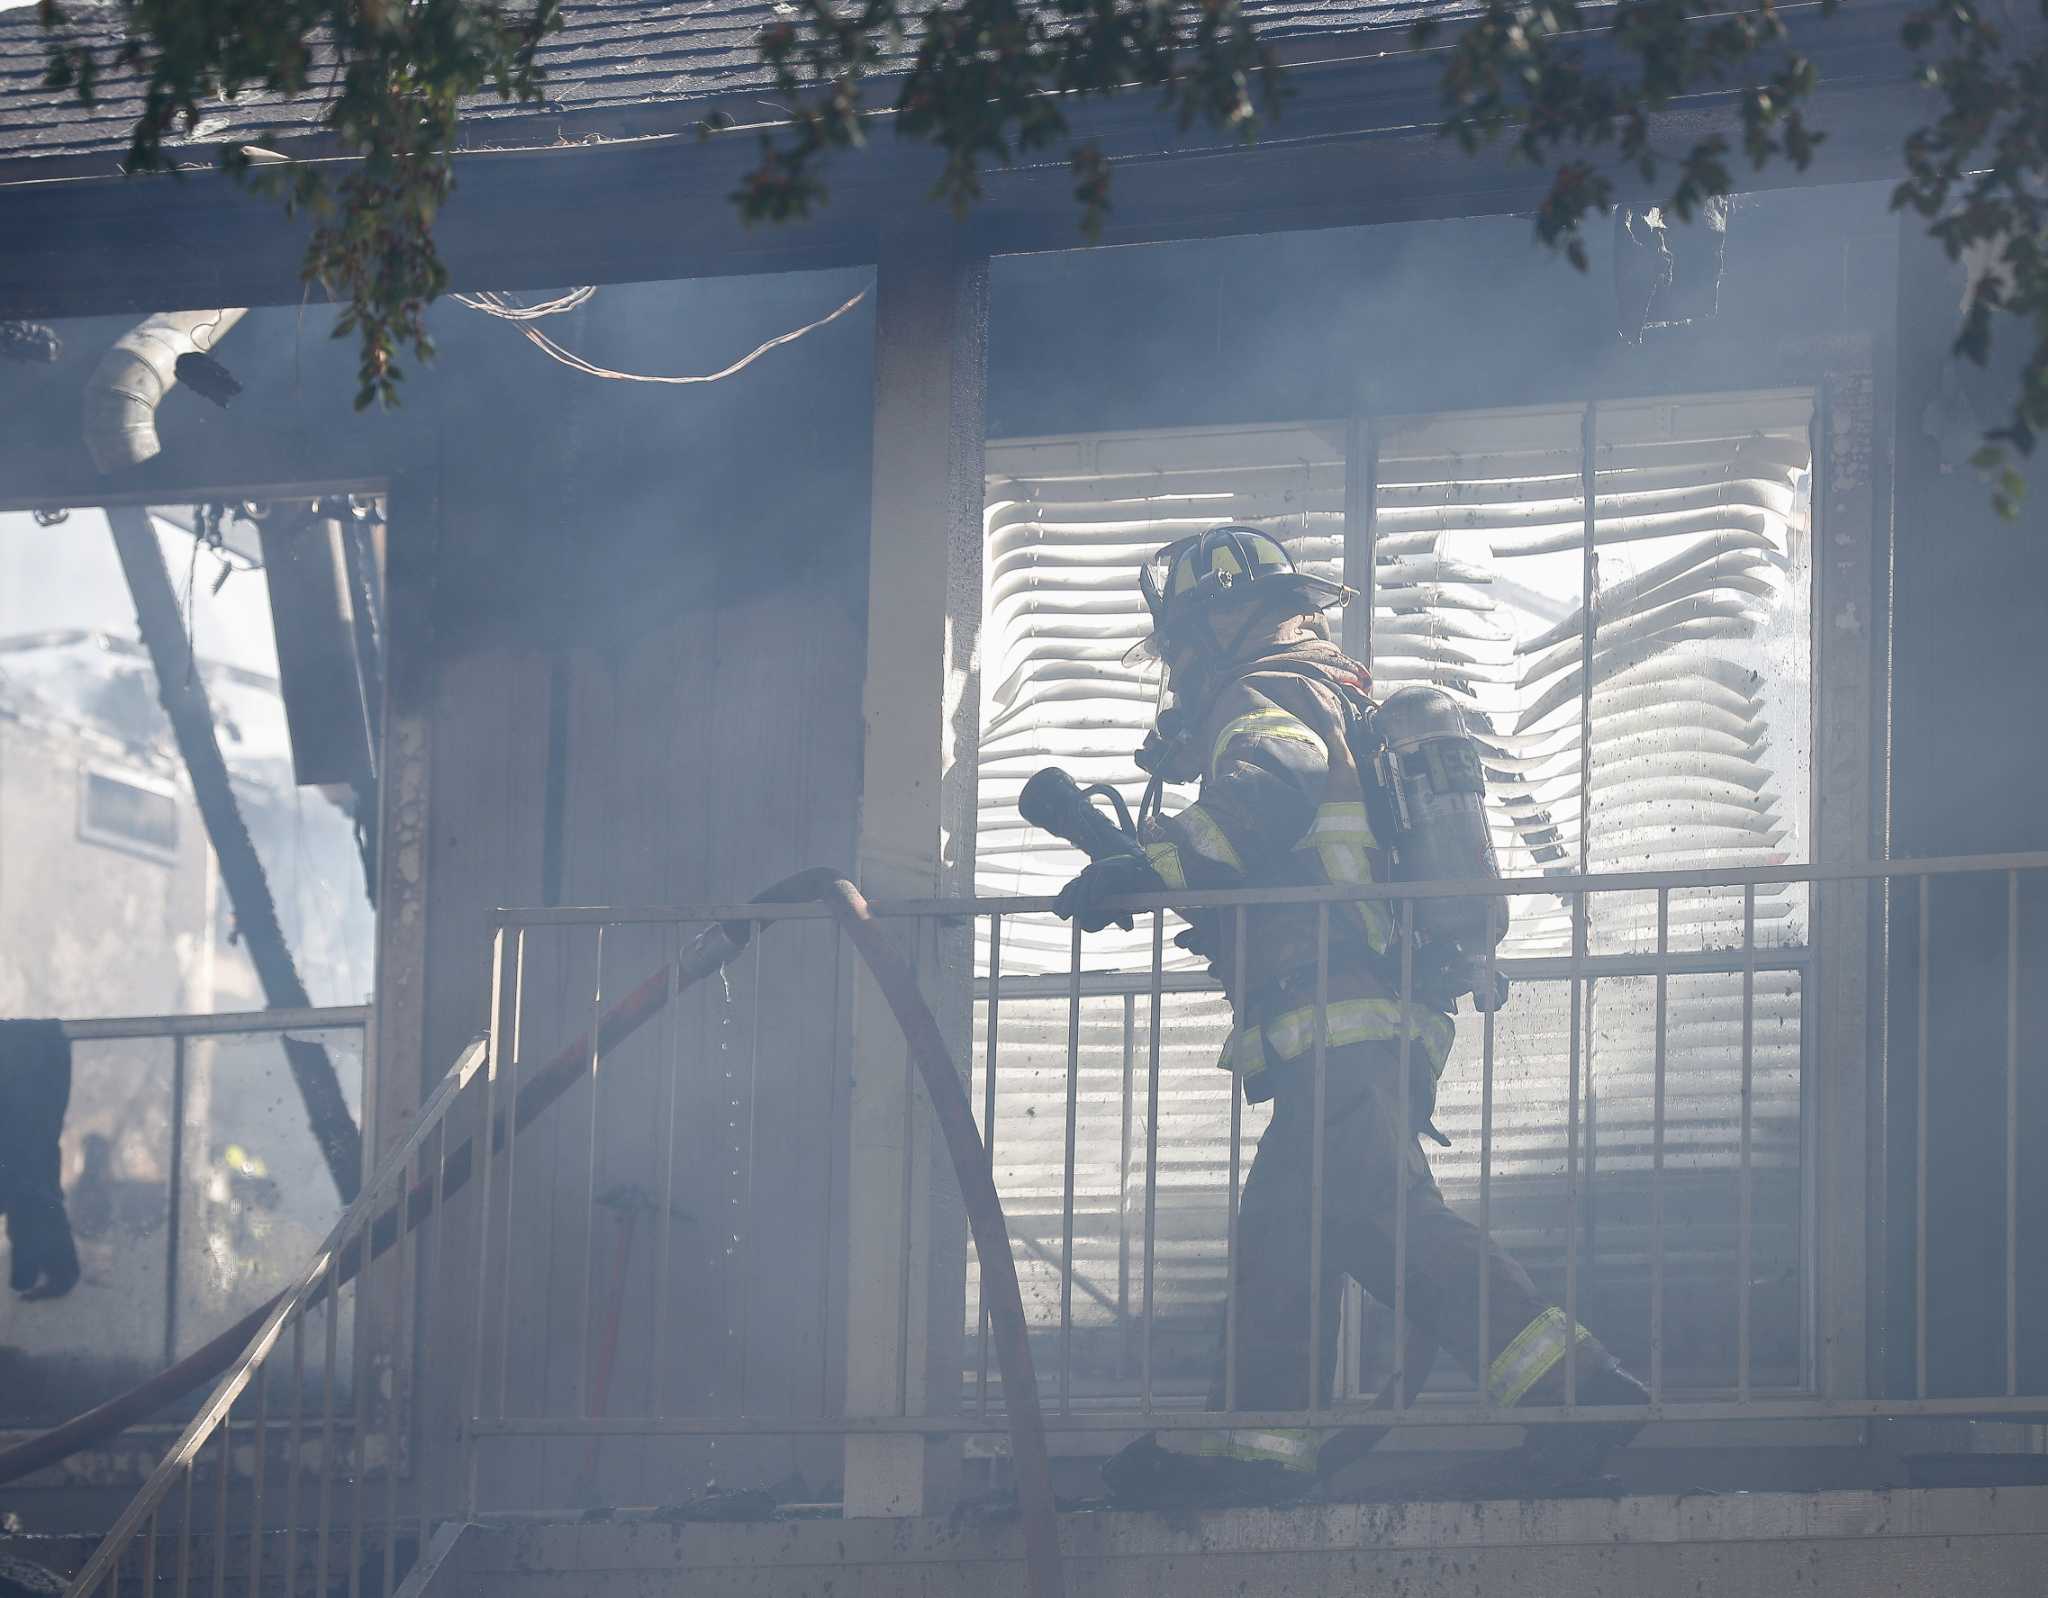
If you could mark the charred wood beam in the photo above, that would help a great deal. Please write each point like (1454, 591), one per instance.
(184, 699)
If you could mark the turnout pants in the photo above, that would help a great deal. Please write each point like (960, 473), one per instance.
(1368, 1149)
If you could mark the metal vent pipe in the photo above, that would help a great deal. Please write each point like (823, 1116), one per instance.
(133, 377)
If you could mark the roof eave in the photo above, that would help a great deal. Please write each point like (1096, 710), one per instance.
(622, 196)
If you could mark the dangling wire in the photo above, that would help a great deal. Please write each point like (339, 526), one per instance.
(492, 303)
(569, 358)
(209, 532)
(209, 333)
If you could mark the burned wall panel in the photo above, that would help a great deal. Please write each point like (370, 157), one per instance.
(482, 850)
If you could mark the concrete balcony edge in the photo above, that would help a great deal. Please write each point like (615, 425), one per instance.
(1915, 1543)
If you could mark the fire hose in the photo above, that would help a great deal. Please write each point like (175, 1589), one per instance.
(708, 953)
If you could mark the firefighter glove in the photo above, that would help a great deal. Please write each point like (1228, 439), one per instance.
(1082, 899)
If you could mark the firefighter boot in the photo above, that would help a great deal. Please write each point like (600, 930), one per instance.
(1560, 1460)
(1569, 1457)
(1143, 1475)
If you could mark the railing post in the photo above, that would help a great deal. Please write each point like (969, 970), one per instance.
(1123, 1189)
(1233, 1264)
(483, 1163)
(2012, 1133)
(1067, 1169)
(1317, 1174)
(1151, 1267)
(1657, 1137)
(921, 707)
(994, 1029)
(175, 1200)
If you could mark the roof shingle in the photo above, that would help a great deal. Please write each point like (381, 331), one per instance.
(611, 56)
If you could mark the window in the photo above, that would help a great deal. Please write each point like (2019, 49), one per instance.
(98, 813)
(1692, 747)
(1068, 521)
(194, 1186)
(128, 813)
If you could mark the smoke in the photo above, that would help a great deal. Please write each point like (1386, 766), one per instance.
(1402, 318)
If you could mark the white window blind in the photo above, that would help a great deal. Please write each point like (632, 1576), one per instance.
(1068, 523)
(1700, 744)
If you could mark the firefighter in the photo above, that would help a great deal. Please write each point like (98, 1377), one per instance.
(1257, 706)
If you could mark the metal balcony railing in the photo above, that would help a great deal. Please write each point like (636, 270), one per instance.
(275, 1425)
(184, 1165)
(507, 1233)
(1642, 947)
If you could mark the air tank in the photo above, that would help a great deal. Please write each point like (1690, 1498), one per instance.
(1430, 767)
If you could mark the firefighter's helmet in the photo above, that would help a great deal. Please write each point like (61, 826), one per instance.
(1231, 566)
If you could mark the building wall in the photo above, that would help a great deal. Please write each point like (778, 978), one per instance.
(633, 625)
(1969, 661)
(647, 684)
(136, 932)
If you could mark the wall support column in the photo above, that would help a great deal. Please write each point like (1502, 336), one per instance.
(398, 1071)
(1847, 767)
(921, 709)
